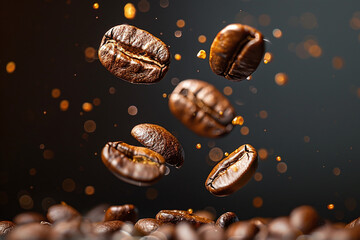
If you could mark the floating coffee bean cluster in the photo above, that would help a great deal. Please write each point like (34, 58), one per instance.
(122, 223)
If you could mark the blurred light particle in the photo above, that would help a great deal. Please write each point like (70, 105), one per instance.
(96, 6)
(198, 146)
(257, 202)
(164, 3)
(45, 112)
(164, 95)
(32, 171)
(3, 198)
(336, 171)
(355, 21)
(87, 107)
(26, 202)
(253, 90)
(249, 78)
(177, 57)
(190, 211)
(227, 91)
(180, 23)
(96, 101)
(264, 20)
(245, 18)
(89, 126)
(307, 139)
(89, 190)
(10, 67)
(358, 92)
(55, 93)
(68, 185)
(112, 90)
(226, 154)
(308, 20)
(90, 54)
(263, 154)
(48, 154)
(244, 130)
(42, 146)
(315, 51)
(278, 158)
(201, 54)
(258, 176)
(281, 79)
(330, 206)
(132, 110)
(64, 105)
(338, 63)
(350, 204)
(151, 193)
(281, 167)
(263, 114)
(267, 57)
(202, 39)
(47, 202)
(175, 81)
(211, 144)
(215, 154)
(129, 11)
(178, 33)
(238, 120)
(277, 33)
(144, 6)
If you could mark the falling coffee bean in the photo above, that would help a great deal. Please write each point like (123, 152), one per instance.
(127, 212)
(233, 172)
(176, 216)
(202, 108)
(236, 52)
(227, 219)
(134, 55)
(161, 141)
(136, 165)
(304, 218)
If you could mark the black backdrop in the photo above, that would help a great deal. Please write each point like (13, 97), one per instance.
(41, 145)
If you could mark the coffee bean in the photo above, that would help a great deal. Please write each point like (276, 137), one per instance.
(61, 212)
(205, 214)
(161, 141)
(28, 217)
(185, 231)
(97, 213)
(31, 231)
(304, 218)
(134, 55)
(107, 228)
(136, 165)
(176, 216)
(236, 52)
(354, 223)
(67, 230)
(164, 232)
(281, 228)
(226, 219)
(147, 225)
(244, 230)
(202, 108)
(233, 172)
(127, 212)
(5, 228)
(211, 232)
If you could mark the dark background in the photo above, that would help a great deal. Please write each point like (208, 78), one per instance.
(47, 41)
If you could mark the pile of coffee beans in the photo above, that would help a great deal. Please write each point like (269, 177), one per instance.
(122, 223)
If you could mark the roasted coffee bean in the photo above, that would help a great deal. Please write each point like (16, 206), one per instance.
(5, 228)
(31, 231)
(281, 228)
(202, 108)
(134, 55)
(185, 231)
(205, 214)
(176, 216)
(354, 223)
(164, 232)
(233, 172)
(236, 52)
(97, 213)
(226, 219)
(146, 226)
(304, 218)
(244, 230)
(67, 230)
(61, 212)
(28, 217)
(107, 228)
(136, 165)
(211, 232)
(161, 141)
(127, 212)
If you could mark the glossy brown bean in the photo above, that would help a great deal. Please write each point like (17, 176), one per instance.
(233, 172)
(202, 108)
(146, 226)
(127, 212)
(134, 55)
(5, 228)
(236, 52)
(107, 228)
(61, 212)
(176, 216)
(304, 218)
(161, 141)
(136, 165)
(227, 219)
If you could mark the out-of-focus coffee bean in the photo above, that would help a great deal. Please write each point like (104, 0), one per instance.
(97, 213)
(185, 231)
(281, 228)
(244, 230)
(146, 226)
(127, 212)
(28, 217)
(30, 231)
(211, 232)
(61, 212)
(304, 218)
(226, 219)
